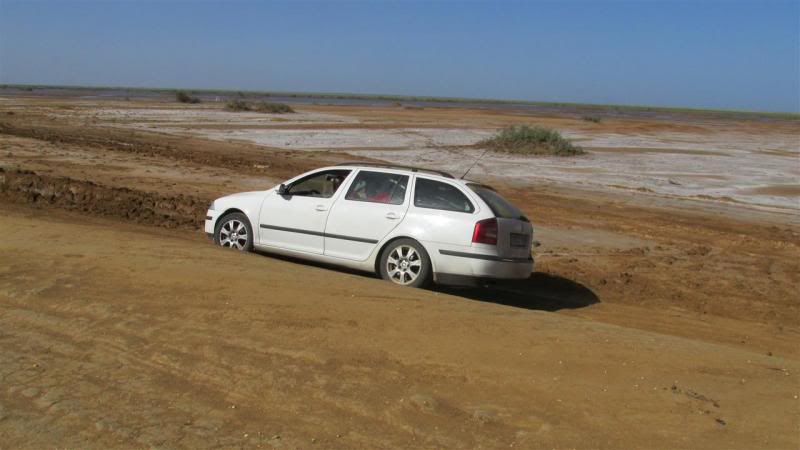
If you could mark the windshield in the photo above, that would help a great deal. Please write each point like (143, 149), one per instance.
(501, 207)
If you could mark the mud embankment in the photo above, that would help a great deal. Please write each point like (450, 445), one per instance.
(131, 143)
(182, 211)
(254, 160)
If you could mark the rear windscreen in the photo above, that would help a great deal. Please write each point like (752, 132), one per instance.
(501, 207)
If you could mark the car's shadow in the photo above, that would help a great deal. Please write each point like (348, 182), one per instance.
(541, 291)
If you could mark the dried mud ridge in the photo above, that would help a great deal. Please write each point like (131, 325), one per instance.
(24, 186)
(257, 161)
(130, 144)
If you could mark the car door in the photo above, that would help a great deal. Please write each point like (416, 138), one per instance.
(296, 220)
(443, 212)
(375, 203)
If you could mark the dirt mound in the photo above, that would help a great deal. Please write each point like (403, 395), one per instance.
(107, 139)
(181, 211)
(257, 160)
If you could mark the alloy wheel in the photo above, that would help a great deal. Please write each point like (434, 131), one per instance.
(233, 234)
(403, 264)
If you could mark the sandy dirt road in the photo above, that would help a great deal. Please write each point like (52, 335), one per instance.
(120, 336)
(651, 321)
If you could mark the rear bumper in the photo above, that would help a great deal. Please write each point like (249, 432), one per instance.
(454, 267)
(456, 280)
(485, 257)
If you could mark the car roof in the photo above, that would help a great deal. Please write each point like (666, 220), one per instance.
(398, 168)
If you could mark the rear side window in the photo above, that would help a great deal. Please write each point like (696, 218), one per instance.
(438, 195)
(501, 207)
(378, 187)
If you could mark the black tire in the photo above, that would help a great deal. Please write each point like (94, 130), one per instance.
(395, 272)
(228, 225)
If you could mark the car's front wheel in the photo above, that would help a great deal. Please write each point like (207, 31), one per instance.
(405, 262)
(234, 231)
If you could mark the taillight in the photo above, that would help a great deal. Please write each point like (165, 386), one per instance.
(485, 232)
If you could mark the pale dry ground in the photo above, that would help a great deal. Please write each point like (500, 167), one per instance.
(710, 160)
(116, 336)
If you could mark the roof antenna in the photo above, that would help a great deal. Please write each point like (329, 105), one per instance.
(474, 164)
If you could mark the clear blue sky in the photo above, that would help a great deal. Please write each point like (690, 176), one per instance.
(717, 54)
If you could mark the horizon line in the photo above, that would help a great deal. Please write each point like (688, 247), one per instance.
(410, 97)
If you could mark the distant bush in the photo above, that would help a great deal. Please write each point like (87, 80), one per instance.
(277, 108)
(183, 97)
(263, 107)
(237, 105)
(531, 140)
(593, 119)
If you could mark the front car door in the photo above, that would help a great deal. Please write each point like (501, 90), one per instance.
(375, 203)
(296, 220)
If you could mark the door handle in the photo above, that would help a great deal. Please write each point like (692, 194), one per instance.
(321, 208)
(392, 216)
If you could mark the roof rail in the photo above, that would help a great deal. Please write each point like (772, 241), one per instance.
(394, 166)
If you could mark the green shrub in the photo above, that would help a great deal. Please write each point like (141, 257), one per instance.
(593, 119)
(263, 107)
(237, 105)
(276, 108)
(531, 140)
(183, 97)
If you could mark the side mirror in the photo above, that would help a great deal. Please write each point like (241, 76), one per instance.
(283, 190)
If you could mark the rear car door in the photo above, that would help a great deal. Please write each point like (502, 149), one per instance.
(375, 203)
(443, 212)
(296, 221)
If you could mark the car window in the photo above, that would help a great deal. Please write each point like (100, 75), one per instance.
(500, 207)
(321, 184)
(438, 195)
(378, 187)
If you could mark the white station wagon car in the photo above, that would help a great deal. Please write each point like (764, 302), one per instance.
(410, 225)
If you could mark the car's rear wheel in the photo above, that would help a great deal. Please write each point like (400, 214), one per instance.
(234, 231)
(405, 262)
